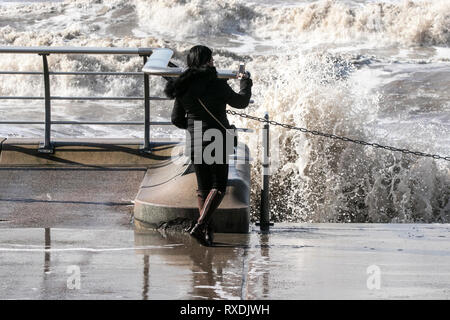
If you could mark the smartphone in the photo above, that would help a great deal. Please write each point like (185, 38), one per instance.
(241, 70)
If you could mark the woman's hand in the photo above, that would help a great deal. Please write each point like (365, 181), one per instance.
(245, 75)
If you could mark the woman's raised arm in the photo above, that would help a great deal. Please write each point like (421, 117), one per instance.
(242, 99)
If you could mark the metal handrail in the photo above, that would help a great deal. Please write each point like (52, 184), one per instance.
(124, 123)
(156, 62)
(120, 123)
(78, 50)
(45, 51)
(76, 73)
(96, 73)
(22, 72)
(159, 65)
(80, 98)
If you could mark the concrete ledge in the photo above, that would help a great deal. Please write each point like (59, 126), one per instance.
(1, 142)
(90, 152)
(168, 192)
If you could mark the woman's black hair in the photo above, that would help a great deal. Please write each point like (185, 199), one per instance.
(197, 61)
(198, 56)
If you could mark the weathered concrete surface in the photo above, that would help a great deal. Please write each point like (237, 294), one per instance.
(336, 261)
(294, 261)
(92, 152)
(68, 197)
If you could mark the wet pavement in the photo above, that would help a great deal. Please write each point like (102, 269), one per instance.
(67, 233)
(294, 261)
(76, 197)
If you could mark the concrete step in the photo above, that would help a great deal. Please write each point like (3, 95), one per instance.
(90, 152)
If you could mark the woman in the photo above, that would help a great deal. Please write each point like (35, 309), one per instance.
(200, 103)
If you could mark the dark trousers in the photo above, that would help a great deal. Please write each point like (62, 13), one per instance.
(211, 176)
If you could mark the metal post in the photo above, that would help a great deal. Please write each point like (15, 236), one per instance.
(146, 148)
(47, 146)
(265, 209)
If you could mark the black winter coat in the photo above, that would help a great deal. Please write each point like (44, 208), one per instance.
(202, 83)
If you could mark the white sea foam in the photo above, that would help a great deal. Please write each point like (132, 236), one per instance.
(423, 22)
(381, 23)
(442, 53)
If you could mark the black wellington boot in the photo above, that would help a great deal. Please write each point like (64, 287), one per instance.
(201, 198)
(200, 230)
(197, 231)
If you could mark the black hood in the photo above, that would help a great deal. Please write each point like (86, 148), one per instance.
(195, 78)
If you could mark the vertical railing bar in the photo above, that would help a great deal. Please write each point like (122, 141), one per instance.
(146, 148)
(47, 147)
(265, 209)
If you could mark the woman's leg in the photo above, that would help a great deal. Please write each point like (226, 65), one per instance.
(219, 178)
(204, 184)
(216, 176)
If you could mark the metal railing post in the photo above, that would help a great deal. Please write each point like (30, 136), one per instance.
(47, 146)
(146, 147)
(264, 224)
